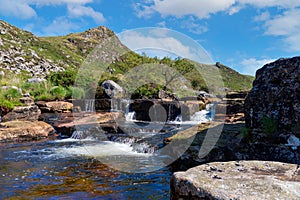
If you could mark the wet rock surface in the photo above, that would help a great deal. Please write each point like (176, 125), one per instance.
(238, 180)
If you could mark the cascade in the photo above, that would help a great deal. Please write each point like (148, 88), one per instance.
(130, 116)
(77, 135)
(89, 105)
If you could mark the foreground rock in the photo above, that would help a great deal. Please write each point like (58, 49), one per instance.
(24, 130)
(275, 95)
(238, 180)
(23, 113)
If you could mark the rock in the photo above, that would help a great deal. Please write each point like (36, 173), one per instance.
(293, 141)
(36, 80)
(24, 130)
(238, 180)
(162, 94)
(27, 101)
(23, 113)
(233, 143)
(112, 89)
(67, 123)
(231, 108)
(12, 87)
(55, 106)
(275, 94)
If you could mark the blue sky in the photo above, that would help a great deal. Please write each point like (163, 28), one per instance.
(243, 34)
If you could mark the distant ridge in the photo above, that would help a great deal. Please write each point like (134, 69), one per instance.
(21, 52)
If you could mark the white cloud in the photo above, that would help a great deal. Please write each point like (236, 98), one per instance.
(270, 3)
(286, 25)
(250, 65)
(60, 26)
(262, 17)
(57, 2)
(203, 8)
(17, 8)
(168, 43)
(24, 9)
(82, 11)
(193, 26)
(200, 8)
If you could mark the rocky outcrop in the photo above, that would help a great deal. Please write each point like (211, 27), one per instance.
(238, 180)
(55, 106)
(24, 130)
(17, 57)
(23, 113)
(231, 108)
(232, 143)
(275, 95)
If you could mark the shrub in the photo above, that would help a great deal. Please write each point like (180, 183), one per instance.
(6, 104)
(12, 94)
(45, 97)
(75, 93)
(64, 78)
(269, 125)
(58, 92)
(245, 132)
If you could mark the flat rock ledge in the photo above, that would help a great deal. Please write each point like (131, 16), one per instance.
(238, 180)
(24, 130)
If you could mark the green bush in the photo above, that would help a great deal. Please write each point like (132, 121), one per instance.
(75, 93)
(7, 104)
(45, 97)
(58, 92)
(12, 95)
(245, 132)
(36, 89)
(65, 78)
(269, 125)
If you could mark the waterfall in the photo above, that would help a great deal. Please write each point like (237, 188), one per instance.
(178, 118)
(77, 135)
(130, 116)
(170, 112)
(89, 105)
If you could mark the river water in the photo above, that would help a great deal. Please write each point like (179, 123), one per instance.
(92, 167)
(74, 169)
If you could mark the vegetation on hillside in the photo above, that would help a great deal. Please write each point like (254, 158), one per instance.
(70, 51)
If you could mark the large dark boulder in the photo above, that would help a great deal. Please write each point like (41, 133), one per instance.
(275, 95)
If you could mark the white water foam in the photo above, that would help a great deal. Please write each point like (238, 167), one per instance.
(101, 149)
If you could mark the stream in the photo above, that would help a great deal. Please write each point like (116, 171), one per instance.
(119, 166)
(68, 169)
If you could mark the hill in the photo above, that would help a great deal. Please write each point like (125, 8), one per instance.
(24, 55)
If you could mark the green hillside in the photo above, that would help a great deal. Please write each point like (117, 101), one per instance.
(57, 59)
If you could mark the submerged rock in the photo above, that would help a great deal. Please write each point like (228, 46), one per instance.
(238, 180)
